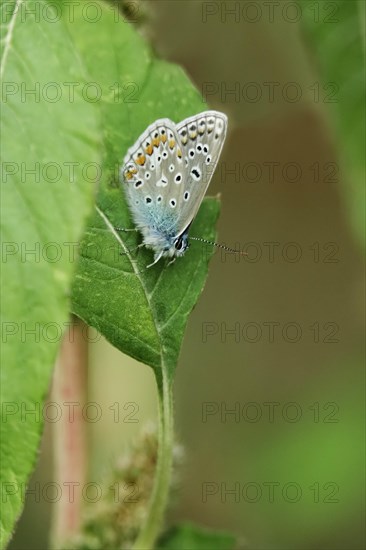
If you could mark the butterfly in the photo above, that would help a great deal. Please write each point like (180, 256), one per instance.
(165, 175)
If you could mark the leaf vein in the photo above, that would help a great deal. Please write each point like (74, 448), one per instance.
(8, 36)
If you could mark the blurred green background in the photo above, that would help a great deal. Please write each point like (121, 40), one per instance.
(310, 132)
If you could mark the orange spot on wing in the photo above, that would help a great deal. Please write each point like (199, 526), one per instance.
(149, 149)
(179, 153)
(163, 138)
(171, 144)
(130, 172)
(141, 160)
(156, 142)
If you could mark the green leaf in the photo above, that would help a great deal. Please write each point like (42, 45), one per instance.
(142, 314)
(337, 43)
(191, 537)
(43, 207)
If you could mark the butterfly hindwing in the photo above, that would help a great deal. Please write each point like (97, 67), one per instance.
(150, 168)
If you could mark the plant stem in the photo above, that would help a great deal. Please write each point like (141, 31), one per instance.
(160, 493)
(69, 434)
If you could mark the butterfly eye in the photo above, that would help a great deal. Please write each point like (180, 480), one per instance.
(181, 243)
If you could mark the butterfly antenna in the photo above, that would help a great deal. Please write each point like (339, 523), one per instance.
(124, 229)
(231, 250)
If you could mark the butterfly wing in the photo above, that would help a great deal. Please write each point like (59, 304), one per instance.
(167, 171)
(201, 140)
(149, 171)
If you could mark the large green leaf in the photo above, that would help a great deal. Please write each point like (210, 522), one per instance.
(46, 206)
(142, 312)
(336, 39)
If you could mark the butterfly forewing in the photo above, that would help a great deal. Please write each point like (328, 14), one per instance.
(202, 137)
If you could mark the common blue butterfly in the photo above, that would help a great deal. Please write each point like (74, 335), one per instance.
(165, 175)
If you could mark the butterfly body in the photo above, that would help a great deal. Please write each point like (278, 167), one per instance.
(165, 176)
(164, 241)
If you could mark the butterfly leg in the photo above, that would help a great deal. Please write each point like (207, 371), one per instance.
(156, 259)
(172, 261)
(128, 231)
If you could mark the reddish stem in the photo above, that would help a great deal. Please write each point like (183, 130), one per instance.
(69, 435)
